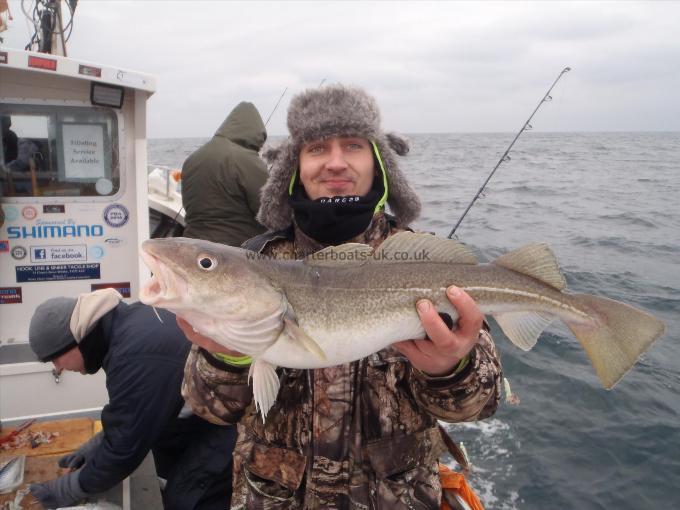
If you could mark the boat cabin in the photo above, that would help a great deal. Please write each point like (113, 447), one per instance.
(74, 209)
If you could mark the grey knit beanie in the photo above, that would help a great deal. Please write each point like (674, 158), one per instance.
(50, 332)
(61, 323)
(320, 113)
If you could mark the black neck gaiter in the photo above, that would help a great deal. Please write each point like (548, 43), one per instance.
(334, 220)
(94, 348)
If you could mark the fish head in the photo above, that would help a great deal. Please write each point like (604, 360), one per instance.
(195, 278)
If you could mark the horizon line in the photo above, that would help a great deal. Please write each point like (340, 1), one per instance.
(450, 133)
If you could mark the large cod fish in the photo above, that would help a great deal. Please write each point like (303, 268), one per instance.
(346, 302)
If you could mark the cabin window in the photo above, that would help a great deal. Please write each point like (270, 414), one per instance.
(58, 151)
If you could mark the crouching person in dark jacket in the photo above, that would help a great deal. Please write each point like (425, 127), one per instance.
(144, 363)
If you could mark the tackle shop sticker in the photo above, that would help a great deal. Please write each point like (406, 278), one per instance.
(57, 272)
(10, 295)
(116, 215)
(29, 212)
(11, 212)
(122, 287)
(19, 252)
(4, 246)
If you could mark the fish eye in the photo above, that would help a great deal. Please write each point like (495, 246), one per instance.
(207, 262)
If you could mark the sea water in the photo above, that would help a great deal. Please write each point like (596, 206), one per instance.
(609, 206)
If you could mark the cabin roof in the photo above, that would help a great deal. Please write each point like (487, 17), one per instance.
(75, 68)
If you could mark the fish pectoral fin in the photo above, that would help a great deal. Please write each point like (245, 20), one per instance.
(415, 247)
(265, 385)
(295, 332)
(523, 328)
(536, 260)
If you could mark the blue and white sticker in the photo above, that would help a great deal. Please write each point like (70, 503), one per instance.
(96, 252)
(67, 253)
(11, 212)
(116, 215)
(57, 272)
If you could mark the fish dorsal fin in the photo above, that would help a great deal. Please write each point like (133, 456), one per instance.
(536, 260)
(523, 328)
(419, 247)
(344, 255)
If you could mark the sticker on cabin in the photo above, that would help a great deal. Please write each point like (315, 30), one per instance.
(115, 242)
(83, 149)
(96, 252)
(19, 252)
(116, 215)
(4, 246)
(11, 212)
(54, 229)
(103, 186)
(68, 253)
(10, 295)
(54, 208)
(122, 287)
(58, 272)
(29, 212)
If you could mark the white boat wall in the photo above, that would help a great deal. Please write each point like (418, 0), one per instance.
(75, 208)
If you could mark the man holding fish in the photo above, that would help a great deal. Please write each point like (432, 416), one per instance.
(362, 433)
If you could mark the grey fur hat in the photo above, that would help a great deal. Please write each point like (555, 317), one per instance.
(334, 110)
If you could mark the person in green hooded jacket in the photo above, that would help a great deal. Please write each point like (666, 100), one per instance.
(221, 180)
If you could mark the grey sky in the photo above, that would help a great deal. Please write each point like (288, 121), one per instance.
(433, 66)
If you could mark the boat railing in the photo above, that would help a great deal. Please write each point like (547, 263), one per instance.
(165, 181)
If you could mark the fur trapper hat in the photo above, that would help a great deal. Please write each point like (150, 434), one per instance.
(324, 112)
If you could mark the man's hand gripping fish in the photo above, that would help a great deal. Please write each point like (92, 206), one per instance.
(346, 302)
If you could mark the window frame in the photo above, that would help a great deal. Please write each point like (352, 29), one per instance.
(47, 108)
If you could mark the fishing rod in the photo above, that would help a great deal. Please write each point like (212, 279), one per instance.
(277, 103)
(276, 106)
(505, 157)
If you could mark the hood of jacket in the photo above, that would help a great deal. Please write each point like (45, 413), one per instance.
(244, 127)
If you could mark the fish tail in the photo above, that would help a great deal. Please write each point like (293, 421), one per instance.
(616, 337)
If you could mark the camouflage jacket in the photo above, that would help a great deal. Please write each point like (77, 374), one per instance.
(361, 435)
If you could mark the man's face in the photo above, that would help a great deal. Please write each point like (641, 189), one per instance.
(71, 360)
(337, 167)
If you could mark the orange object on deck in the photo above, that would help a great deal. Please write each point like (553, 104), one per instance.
(454, 481)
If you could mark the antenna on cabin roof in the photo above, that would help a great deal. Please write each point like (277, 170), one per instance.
(50, 34)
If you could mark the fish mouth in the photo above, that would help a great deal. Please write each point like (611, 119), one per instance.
(165, 286)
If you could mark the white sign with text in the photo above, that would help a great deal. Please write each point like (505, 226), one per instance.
(83, 151)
